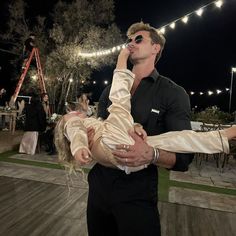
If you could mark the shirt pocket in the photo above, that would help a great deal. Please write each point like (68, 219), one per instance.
(155, 124)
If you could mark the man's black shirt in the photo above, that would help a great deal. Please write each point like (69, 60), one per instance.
(160, 105)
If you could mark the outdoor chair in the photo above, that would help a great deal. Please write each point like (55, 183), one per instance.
(219, 156)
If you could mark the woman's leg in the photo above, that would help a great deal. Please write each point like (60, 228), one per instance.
(188, 141)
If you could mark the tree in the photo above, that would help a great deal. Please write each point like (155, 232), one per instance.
(79, 26)
(18, 28)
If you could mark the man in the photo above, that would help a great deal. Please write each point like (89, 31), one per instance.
(28, 47)
(29, 44)
(126, 205)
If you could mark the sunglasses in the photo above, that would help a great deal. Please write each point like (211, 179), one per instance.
(138, 39)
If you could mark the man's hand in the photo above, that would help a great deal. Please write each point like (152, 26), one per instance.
(82, 156)
(135, 155)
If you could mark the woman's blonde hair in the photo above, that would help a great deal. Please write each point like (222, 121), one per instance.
(65, 156)
(63, 146)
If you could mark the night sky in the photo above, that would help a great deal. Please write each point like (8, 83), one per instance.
(197, 56)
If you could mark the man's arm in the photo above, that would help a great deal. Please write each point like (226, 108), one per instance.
(177, 118)
(142, 154)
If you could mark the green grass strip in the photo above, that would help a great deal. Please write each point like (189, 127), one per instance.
(164, 177)
(165, 183)
(6, 158)
(7, 154)
(31, 163)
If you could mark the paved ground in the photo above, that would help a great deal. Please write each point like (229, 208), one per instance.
(208, 174)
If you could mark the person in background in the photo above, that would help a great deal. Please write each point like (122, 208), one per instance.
(29, 44)
(126, 205)
(35, 124)
(48, 135)
(84, 103)
(4, 105)
(45, 103)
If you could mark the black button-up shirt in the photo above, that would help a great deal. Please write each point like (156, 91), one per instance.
(160, 105)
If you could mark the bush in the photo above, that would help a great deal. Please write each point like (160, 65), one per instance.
(213, 115)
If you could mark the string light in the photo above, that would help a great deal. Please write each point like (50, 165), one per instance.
(199, 12)
(210, 92)
(219, 3)
(185, 19)
(162, 29)
(172, 25)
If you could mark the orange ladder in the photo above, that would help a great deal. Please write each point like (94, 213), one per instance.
(34, 53)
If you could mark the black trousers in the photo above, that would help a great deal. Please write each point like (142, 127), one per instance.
(121, 204)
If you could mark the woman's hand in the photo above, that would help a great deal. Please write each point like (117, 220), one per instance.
(122, 58)
(138, 129)
(83, 156)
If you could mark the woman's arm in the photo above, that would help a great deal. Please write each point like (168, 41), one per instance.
(76, 133)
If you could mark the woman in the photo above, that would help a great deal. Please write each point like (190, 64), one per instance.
(45, 103)
(84, 103)
(71, 132)
(35, 122)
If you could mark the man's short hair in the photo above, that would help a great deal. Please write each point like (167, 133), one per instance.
(155, 35)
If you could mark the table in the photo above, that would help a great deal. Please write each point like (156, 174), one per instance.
(12, 115)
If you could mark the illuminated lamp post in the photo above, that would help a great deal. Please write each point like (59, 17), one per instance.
(233, 69)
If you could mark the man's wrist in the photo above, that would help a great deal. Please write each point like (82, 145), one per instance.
(155, 156)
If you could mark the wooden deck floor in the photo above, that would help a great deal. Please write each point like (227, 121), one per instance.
(30, 208)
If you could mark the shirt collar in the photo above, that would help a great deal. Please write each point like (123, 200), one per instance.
(154, 75)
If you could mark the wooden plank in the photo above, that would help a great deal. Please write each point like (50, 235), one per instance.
(33, 208)
(183, 220)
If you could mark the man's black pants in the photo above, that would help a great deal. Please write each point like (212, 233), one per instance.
(121, 204)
